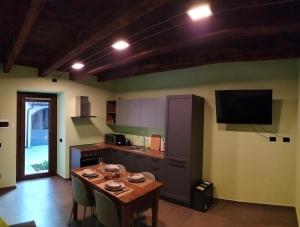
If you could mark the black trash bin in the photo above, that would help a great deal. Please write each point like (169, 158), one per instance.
(202, 196)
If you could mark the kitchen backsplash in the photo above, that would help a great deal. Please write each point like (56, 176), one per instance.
(136, 134)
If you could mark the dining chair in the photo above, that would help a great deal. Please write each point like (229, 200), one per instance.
(148, 175)
(106, 211)
(81, 196)
(138, 214)
(122, 167)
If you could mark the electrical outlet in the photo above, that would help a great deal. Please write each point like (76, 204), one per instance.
(272, 139)
(286, 139)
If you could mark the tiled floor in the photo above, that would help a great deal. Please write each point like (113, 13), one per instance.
(48, 201)
(35, 155)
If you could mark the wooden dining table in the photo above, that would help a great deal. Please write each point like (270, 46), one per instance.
(133, 199)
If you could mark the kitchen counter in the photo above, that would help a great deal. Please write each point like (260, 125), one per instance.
(129, 149)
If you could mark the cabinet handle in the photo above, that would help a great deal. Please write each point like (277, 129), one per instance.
(177, 165)
(179, 161)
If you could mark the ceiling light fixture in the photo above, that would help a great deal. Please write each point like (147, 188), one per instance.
(199, 12)
(120, 45)
(77, 66)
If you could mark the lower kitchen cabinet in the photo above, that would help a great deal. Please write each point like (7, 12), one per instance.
(177, 181)
(138, 163)
(157, 168)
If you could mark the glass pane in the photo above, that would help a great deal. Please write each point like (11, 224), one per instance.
(36, 137)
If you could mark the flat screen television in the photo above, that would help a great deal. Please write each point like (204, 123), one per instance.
(244, 106)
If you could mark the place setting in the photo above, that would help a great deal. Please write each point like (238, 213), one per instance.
(111, 168)
(115, 187)
(91, 174)
(136, 178)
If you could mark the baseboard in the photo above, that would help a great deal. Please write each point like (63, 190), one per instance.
(253, 203)
(5, 189)
(65, 179)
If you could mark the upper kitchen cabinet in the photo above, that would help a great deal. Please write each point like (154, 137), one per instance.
(153, 112)
(147, 113)
(128, 112)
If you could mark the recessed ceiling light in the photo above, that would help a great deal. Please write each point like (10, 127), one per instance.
(77, 65)
(120, 45)
(199, 12)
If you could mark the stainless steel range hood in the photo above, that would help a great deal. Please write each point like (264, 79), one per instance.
(83, 107)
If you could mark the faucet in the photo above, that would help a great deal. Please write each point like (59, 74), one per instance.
(144, 141)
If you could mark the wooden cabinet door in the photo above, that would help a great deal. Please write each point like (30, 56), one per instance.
(128, 112)
(177, 184)
(178, 127)
(153, 113)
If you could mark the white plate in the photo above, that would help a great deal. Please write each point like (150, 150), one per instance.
(136, 177)
(136, 181)
(92, 175)
(89, 172)
(111, 168)
(113, 185)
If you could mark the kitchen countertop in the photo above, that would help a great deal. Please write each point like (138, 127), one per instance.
(129, 149)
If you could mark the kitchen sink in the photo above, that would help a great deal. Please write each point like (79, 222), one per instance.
(136, 148)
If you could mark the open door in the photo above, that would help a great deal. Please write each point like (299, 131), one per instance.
(37, 135)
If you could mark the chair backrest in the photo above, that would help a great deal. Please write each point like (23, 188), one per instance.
(122, 167)
(106, 211)
(149, 175)
(80, 194)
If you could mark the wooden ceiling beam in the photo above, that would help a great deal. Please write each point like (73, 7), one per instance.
(142, 8)
(225, 55)
(35, 8)
(199, 40)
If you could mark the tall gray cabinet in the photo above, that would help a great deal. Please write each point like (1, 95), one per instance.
(184, 146)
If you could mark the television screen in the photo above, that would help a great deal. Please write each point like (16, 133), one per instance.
(244, 106)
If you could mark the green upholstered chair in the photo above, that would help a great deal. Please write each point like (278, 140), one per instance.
(106, 211)
(148, 175)
(122, 167)
(138, 215)
(81, 196)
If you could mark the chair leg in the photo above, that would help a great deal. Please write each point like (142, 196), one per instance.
(92, 211)
(71, 215)
(84, 212)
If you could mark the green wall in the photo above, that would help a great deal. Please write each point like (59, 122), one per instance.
(243, 165)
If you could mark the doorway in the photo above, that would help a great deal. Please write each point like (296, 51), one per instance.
(37, 135)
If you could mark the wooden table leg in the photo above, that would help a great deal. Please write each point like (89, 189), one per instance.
(155, 209)
(125, 216)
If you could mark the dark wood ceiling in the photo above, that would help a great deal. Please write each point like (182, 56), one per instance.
(52, 34)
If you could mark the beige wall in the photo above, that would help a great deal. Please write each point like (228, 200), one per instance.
(243, 165)
(80, 131)
(297, 192)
